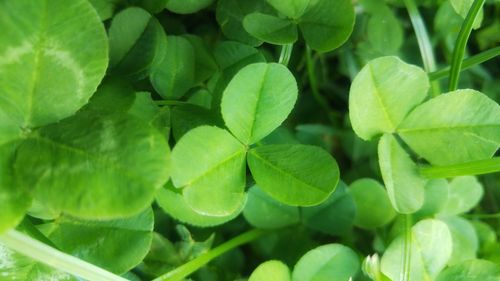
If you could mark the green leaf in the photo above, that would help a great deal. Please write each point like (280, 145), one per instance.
(384, 31)
(299, 175)
(257, 100)
(230, 15)
(105, 8)
(187, 6)
(471, 270)
(174, 75)
(462, 7)
(209, 164)
(327, 262)
(263, 211)
(59, 71)
(366, 194)
(435, 198)
(464, 193)
(14, 199)
(272, 270)
(270, 29)
(425, 261)
(457, 127)
(174, 204)
(137, 43)
(291, 8)
(405, 186)
(102, 242)
(205, 65)
(94, 166)
(326, 24)
(187, 116)
(383, 93)
(465, 240)
(334, 216)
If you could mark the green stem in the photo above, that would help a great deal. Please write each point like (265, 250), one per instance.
(461, 44)
(424, 43)
(483, 216)
(183, 271)
(38, 251)
(286, 54)
(406, 259)
(467, 63)
(314, 86)
(479, 167)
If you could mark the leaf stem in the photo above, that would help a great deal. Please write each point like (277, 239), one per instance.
(483, 216)
(467, 63)
(183, 271)
(43, 253)
(406, 259)
(479, 167)
(286, 54)
(461, 44)
(424, 43)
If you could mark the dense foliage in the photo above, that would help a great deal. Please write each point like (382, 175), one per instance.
(259, 140)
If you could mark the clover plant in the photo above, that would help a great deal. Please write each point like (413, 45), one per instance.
(259, 140)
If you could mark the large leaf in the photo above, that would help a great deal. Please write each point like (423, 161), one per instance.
(300, 175)
(103, 242)
(173, 76)
(136, 43)
(271, 271)
(383, 93)
(257, 100)
(456, 127)
(327, 262)
(263, 211)
(471, 270)
(327, 24)
(291, 8)
(463, 194)
(53, 54)
(271, 29)
(405, 186)
(174, 204)
(425, 260)
(95, 166)
(366, 194)
(209, 164)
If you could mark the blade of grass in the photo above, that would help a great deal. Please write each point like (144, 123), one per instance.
(470, 168)
(43, 253)
(424, 43)
(461, 44)
(467, 63)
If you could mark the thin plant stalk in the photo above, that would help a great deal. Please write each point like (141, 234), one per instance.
(407, 246)
(424, 43)
(467, 63)
(183, 271)
(461, 43)
(286, 54)
(32, 248)
(479, 167)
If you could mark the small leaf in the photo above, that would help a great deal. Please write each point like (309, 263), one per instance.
(368, 193)
(465, 240)
(187, 6)
(94, 166)
(462, 8)
(271, 271)
(205, 65)
(291, 8)
(471, 270)
(257, 100)
(383, 93)
(263, 211)
(425, 261)
(102, 242)
(137, 43)
(174, 75)
(405, 186)
(186, 117)
(436, 195)
(456, 127)
(464, 193)
(327, 262)
(105, 8)
(47, 72)
(270, 29)
(298, 175)
(209, 164)
(327, 24)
